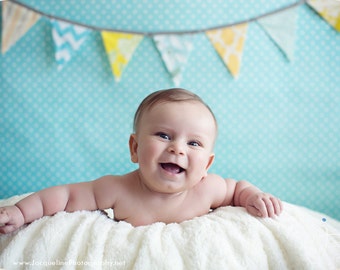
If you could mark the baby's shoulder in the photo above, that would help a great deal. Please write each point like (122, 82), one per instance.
(212, 182)
(214, 178)
(112, 181)
(212, 189)
(127, 181)
(114, 187)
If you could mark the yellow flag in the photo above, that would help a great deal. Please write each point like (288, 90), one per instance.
(120, 48)
(229, 43)
(329, 10)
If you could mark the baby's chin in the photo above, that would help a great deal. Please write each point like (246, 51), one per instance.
(169, 188)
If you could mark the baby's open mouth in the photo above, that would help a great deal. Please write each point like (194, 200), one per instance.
(172, 168)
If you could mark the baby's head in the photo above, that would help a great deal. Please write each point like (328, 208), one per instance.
(173, 140)
(164, 96)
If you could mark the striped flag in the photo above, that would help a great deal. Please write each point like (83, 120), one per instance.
(67, 39)
(16, 21)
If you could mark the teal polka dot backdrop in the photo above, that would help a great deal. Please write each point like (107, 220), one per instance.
(278, 122)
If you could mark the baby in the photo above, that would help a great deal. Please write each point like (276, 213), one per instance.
(173, 141)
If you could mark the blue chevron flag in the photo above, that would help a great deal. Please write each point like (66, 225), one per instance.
(67, 39)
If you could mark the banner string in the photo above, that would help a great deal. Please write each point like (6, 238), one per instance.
(154, 33)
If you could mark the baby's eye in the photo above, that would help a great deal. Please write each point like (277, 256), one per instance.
(194, 143)
(163, 135)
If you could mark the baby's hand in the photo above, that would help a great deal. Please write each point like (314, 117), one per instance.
(11, 219)
(263, 205)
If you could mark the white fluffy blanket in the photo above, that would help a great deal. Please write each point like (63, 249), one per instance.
(227, 238)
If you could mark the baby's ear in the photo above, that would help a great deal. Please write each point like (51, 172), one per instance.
(133, 148)
(210, 162)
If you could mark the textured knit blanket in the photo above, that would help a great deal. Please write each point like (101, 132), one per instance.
(227, 238)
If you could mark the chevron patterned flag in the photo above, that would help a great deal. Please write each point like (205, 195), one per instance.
(229, 43)
(175, 51)
(16, 21)
(281, 28)
(67, 39)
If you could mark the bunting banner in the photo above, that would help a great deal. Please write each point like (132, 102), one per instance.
(67, 39)
(281, 28)
(120, 48)
(329, 10)
(229, 43)
(175, 51)
(16, 21)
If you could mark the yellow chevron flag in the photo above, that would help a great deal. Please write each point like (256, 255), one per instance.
(120, 48)
(229, 43)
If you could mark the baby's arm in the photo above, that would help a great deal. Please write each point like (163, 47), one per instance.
(47, 202)
(255, 201)
(43, 203)
(242, 193)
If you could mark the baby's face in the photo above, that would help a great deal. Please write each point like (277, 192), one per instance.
(174, 146)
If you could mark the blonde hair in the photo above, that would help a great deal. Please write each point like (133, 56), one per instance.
(167, 95)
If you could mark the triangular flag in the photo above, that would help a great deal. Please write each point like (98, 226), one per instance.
(329, 10)
(281, 28)
(175, 51)
(67, 39)
(120, 48)
(16, 21)
(229, 43)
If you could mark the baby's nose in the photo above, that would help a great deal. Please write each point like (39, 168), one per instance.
(176, 148)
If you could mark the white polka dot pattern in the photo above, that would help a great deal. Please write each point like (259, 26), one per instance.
(278, 122)
(155, 15)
